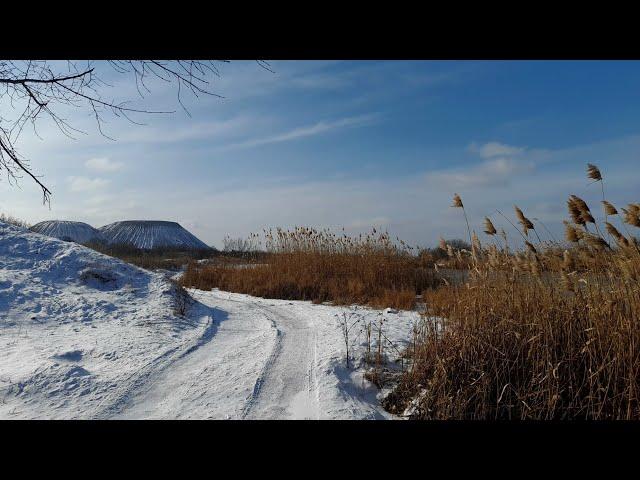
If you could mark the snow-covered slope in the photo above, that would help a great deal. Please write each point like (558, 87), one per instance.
(80, 331)
(150, 234)
(84, 335)
(78, 232)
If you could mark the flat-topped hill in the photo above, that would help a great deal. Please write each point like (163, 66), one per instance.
(150, 234)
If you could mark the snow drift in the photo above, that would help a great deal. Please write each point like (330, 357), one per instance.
(80, 331)
(78, 232)
(149, 234)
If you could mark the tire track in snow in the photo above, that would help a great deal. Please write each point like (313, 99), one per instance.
(287, 386)
(118, 401)
(265, 370)
(203, 382)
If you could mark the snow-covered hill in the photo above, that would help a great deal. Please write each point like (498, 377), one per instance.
(80, 331)
(78, 232)
(150, 234)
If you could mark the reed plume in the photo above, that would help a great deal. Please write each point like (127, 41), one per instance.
(524, 221)
(489, 229)
(609, 209)
(632, 215)
(457, 203)
(575, 212)
(593, 172)
(583, 208)
(620, 239)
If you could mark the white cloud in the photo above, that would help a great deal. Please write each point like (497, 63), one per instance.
(85, 184)
(501, 164)
(494, 172)
(495, 149)
(103, 164)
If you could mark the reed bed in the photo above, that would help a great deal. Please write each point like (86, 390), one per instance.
(550, 331)
(322, 266)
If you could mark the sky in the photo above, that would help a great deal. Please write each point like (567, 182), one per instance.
(346, 144)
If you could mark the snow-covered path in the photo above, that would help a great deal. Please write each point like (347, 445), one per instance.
(267, 359)
(287, 387)
(215, 379)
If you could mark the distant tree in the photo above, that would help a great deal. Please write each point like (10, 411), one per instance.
(456, 243)
(459, 244)
(32, 89)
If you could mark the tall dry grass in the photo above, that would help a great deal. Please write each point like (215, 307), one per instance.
(548, 332)
(309, 264)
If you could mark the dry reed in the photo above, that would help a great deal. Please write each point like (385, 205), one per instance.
(308, 264)
(546, 333)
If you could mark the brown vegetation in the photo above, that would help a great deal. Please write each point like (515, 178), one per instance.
(169, 259)
(545, 333)
(307, 264)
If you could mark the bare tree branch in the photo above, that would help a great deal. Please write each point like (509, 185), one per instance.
(32, 89)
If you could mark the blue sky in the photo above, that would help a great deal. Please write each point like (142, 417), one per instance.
(348, 144)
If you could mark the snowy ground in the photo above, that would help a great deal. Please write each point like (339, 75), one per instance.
(269, 359)
(83, 335)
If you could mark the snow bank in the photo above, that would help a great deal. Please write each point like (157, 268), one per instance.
(80, 331)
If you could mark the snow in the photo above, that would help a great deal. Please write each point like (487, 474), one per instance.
(78, 232)
(150, 234)
(83, 335)
(271, 359)
(79, 331)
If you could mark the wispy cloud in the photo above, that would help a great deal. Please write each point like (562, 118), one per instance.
(309, 131)
(236, 126)
(103, 164)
